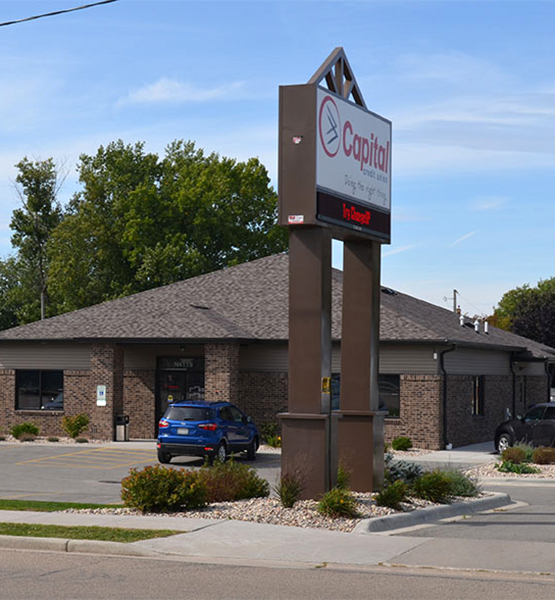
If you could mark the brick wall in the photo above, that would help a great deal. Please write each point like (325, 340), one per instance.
(420, 412)
(221, 376)
(536, 389)
(263, 395)
(139, 403)
(463, 428)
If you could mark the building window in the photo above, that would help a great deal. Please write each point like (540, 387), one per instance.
(389, 386)
(39, 390)
(478, 395)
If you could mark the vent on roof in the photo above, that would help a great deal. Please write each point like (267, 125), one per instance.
(199, 306)
(389, 291)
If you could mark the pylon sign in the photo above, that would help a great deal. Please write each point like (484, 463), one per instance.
(337, 154)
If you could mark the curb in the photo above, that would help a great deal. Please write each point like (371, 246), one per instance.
(431, 513)
(81, 546)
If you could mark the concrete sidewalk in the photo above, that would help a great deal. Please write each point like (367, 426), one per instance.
(459, 458)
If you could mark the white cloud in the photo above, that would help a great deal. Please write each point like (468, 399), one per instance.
(462, 239)
(399, 250)
(171, 91)
(483, 203)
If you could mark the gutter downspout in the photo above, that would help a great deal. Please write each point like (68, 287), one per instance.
(444, 373)
(546, 367)
(513, 354)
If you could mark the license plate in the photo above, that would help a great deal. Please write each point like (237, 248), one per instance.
(182, 431)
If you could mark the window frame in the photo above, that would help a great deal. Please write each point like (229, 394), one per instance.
(478, 399)
(44, 396)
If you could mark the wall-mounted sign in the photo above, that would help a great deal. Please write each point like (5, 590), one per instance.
(340, 175)
(101, 395)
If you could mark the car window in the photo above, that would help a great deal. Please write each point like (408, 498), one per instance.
(534, 414)
(188, 413)
(549, 412)
(225, 414)
(236, 414)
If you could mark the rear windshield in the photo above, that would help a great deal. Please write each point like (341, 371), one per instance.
(188, 413)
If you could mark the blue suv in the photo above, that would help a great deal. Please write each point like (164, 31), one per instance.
(210, 429)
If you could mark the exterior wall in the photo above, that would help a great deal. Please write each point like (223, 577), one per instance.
(421, 412)
(54, 356)
(263, 395)
(473, 361)
(463, 428)
(536, 390)
(139, 403)
(221, 372)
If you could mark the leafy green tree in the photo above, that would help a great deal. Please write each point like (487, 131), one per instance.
(529, 311)
(37, 185)
(141, 221)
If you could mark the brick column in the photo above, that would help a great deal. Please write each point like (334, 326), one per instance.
(106, 369)
(221, 372)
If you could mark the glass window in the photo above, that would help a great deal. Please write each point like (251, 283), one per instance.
(534, 414)
(188, 413)
(550, 413)
(390, 386)
(39, 390)
(478, 396)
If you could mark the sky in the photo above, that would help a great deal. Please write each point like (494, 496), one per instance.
(469, 87)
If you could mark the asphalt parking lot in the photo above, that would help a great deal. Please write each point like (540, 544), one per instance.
(89, 472)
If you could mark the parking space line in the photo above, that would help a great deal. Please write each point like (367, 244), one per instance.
(95, 458)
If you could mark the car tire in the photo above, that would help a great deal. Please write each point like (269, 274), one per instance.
(251, 450)
(504, 441)
(220, 454)
(164, 457)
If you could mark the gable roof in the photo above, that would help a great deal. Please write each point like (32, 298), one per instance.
(250, 302)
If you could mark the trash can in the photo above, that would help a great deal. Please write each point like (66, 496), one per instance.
(122, 428)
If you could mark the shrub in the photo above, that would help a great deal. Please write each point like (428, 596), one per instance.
(288, 489)
(527, 449)
(162, 489)
(24, 428)
(343, 478)
(338, 503)
(403, 470)
(52, 438)
(81, 440)
(274, 441)
(2, 438)
(230, 481)
(392, 495)
(520, 468)
(27, 437)
(544, 456)
(401, 444)
(515, 455)
(75, 425)
(462, 485)
(434, 486)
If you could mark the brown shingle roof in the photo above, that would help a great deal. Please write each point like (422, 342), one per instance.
(250, 302)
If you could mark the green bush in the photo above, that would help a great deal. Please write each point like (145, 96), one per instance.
(230, 481)
(543, 456)
(163, 489)
(52, 439)
(527, 449)
(338, 503)
(434, 486)
(401, 444)
(402, 470)
(289, 489)
(27, 437)
(462, 485)
(24, 428)
(392, 495)
(2, 438)
(81, 440)
(520, 468)
(75, 425)
(343, 478)
(515, 455)
(274, 441)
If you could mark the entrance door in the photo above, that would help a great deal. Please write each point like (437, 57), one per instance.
(178, 379)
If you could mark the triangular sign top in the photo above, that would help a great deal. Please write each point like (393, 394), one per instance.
(338, 75)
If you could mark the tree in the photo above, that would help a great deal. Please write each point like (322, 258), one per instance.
(141, 222)
(37, 185)
(529, 311)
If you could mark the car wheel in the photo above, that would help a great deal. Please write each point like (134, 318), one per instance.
(251, 450)
(164, 457)
(505, 441)
(221, 452)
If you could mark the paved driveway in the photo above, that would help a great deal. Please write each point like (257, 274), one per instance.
(89, 472)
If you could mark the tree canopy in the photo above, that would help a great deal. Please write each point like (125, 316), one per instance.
(529, 311)
(140, 221)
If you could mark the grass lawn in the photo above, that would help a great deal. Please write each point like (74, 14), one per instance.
(105, 534)
(42, 506)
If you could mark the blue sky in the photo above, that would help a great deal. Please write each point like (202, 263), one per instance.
(469, 87)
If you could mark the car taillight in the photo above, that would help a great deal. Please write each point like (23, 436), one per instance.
(208, 426)
(163, 424)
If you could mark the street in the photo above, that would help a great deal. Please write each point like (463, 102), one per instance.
(42, 575)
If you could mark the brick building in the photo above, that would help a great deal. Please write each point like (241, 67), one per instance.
(223, 336)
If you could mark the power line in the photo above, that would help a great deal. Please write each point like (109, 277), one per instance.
(57, 12)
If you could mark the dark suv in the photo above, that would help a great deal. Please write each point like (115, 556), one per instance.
(210, 429)
(536, 427)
